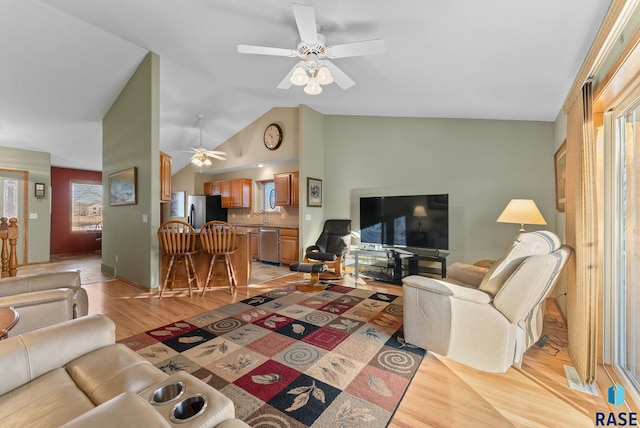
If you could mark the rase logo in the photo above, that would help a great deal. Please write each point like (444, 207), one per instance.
(615, 396)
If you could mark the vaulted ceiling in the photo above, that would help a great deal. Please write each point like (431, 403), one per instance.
(64, 62)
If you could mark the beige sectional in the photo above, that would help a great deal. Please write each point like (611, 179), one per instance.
(73, 374)
(44, 299)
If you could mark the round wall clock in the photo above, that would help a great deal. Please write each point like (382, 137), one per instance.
(272, 136)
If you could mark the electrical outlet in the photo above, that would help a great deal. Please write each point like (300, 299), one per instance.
(116, 258)
(283, 216)
(33, 215)
(145, 218)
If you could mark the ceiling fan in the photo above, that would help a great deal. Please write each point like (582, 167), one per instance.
(315, 69)
(201, 155)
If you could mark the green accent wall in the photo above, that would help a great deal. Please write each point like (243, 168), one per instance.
(315, 162)
(481, 164)
(130, 132)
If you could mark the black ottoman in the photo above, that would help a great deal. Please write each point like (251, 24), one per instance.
(315, 269)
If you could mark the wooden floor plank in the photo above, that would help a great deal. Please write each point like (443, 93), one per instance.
(443, 393)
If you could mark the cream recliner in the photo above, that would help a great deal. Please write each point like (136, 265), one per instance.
(486, 318)
(44, 299)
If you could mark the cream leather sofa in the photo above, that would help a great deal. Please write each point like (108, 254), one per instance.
(486, 318)
(74, 375)
(44, 299)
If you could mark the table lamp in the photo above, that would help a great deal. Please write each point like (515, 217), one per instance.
(419, 212)
(521, 211)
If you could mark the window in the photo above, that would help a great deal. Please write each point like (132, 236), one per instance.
(622, 251)
(86, 206)
(10, 199)
(269, 197)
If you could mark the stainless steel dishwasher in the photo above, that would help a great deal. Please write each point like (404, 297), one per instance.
(269, 243)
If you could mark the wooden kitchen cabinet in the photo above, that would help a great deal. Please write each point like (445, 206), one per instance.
(225, 192)
(295, 188)
(255, 243)
(288, 246)
(165, 177)
(213, 188)
(241, 193)
(287, 189)
(235, 193)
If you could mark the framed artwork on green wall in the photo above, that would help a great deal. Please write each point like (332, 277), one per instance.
(122, 187)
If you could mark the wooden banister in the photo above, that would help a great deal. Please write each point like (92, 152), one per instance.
(9, 238)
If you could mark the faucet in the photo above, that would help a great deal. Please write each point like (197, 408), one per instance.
(265, 217)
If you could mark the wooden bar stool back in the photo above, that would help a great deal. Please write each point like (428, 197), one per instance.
(218, 238)
(177, 240)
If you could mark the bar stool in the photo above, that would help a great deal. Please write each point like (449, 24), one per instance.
(218, 238)
(177, 239)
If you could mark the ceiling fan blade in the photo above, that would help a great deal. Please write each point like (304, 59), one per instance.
(286, 82)
(264, 50)
(367, 47)
(306, 21)
(339, 76)
(218, 157)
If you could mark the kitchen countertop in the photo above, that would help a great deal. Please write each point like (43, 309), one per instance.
(240, 230)
(251, 226)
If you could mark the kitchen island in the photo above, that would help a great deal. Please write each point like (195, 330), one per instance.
(241, 260)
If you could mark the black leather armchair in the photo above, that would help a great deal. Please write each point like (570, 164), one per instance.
(331, 245)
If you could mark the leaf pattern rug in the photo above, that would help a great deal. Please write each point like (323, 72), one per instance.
(335, 358)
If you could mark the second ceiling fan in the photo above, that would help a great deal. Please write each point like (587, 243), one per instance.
(315, 68)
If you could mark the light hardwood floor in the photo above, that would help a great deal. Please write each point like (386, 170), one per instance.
(442, 394)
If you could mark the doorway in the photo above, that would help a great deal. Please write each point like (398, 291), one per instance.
(13, 203)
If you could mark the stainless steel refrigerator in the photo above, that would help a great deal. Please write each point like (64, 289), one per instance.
(202, 209)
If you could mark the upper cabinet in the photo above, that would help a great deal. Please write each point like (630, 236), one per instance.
(213, 188)
(287, 188)
(241, 193)
(235, 193)
(165, 177)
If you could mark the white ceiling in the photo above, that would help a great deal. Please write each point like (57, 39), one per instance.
(65, 61)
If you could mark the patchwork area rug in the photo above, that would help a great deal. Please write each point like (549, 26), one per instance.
(335, 358)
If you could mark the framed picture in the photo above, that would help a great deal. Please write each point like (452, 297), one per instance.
(122, 187)
(314, 192)
(177, 208)
(560, 163)
(39, 190)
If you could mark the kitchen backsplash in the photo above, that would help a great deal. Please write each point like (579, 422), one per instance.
(244, 217)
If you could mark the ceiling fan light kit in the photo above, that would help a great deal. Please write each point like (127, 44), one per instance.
(313, 87)
(315, 69)
(201, 154)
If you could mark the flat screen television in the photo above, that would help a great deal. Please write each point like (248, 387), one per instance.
(419, 221)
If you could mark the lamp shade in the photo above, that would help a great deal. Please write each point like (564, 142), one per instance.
(521, 211)
(312, 88)
(324, 76)
(419, 211)
(299, 77)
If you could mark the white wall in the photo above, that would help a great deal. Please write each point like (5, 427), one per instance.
(481, 164)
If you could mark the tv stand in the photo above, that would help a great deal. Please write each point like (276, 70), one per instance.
(392, 264)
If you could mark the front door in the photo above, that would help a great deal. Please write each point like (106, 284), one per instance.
(12, 204)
